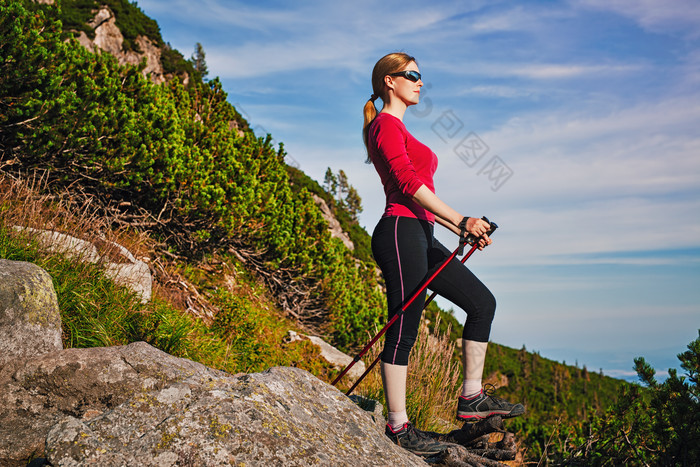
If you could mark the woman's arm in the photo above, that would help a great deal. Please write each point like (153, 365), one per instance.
(448, 217)
(445, 215)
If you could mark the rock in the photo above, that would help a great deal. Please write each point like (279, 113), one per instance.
(373, 407)
(56, 242)
(135, 276)
(86, 42)
(331, 354)
(338, 358)
(30, 323)
(104, 15)
(36, 393)
(151, 52)
(333, 224)
(125, 270)
(108, 38)
(135, 405)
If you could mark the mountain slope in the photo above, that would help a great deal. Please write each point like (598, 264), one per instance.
(177, 162)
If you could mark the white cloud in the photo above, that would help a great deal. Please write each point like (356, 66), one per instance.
(628, 375)
(660, 17)
(218, 14)
(518, 18)
(539, 69)
(651, 146)
(558, 71)
(504, 92)
(334, 35)
(579, 235)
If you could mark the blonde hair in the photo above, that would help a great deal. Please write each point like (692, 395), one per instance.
(390, 63)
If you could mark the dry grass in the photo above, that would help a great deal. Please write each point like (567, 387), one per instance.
(30, 203)
(434, 379)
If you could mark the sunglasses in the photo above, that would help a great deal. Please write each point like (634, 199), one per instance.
(409, 75)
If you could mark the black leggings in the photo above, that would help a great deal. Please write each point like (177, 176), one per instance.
(408, 254)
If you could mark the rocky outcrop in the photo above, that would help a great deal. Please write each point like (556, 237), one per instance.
(108, 38)
(119, 264)
(135, 405)
(333, 224)
(30, 323)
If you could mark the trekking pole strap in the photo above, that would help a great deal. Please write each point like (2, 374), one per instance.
(462, 235)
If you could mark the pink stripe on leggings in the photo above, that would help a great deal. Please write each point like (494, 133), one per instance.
(398, 257)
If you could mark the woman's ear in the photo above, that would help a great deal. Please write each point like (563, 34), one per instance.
(389, 82)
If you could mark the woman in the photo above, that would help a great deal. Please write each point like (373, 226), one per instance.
(406, 251)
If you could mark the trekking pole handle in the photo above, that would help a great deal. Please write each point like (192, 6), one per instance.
(471, 239)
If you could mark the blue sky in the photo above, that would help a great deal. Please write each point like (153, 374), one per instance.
(574, 125)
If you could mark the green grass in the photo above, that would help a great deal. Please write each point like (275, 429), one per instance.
(101, 313)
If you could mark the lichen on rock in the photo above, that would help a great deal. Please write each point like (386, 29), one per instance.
(30, 323)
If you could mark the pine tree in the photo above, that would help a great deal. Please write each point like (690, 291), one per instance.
(654, 424)
(353, 202)
(198, 60)
(343, 187)
(330, 182)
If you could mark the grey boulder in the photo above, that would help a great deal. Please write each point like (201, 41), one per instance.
(30, 323)
(137, 406)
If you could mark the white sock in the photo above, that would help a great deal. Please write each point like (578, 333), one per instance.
(473, 357)
(471, 388)
(397, 420)
(394, 379)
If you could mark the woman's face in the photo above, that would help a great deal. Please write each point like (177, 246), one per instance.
(405, 89)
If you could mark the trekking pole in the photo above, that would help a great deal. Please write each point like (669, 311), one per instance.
(470, 240)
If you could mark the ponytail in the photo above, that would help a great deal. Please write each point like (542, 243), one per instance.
(370, 113)
(386, 65)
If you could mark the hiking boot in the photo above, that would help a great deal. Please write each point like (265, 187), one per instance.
(485, 405)
(414, 440)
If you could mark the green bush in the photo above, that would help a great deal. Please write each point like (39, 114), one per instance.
(654, 424)
(172, 151)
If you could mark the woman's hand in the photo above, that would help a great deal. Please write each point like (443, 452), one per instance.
(484, 241)
(479, 228)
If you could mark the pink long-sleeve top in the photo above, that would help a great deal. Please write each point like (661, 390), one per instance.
(403, 164)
